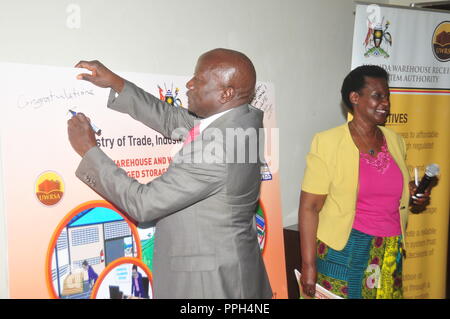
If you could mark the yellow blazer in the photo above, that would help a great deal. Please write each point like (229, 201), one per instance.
(332, 168)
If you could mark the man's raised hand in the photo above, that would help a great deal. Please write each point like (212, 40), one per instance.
(101, 76)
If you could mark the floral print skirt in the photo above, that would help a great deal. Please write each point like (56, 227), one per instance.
(368, 267)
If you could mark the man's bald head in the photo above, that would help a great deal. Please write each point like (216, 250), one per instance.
(235, 70)
(223, 79)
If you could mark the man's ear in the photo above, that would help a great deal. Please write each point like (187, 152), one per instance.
(353, 97)
(227, 95)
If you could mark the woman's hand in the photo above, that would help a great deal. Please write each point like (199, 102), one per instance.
(308, 280)
(419, 199)
(308, 220)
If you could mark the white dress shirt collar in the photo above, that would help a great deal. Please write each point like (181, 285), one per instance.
(204, 123)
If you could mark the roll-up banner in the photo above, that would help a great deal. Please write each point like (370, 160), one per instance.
(413, 45)
(63, 240)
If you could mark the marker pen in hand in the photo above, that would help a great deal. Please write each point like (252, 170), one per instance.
(95, 128)
(416, 176)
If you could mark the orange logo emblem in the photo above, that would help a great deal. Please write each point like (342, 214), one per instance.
(441, 42)
(49, 188)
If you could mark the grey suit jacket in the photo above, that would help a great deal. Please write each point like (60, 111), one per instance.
(204, 210)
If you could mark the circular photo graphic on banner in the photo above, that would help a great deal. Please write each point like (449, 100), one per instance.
(261, 226)
(91, 237)
(49, 188)
(441, 42)
(126, 278)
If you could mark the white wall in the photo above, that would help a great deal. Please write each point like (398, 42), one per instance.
(303, 47)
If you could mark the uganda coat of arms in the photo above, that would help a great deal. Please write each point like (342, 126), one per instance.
(377, 39)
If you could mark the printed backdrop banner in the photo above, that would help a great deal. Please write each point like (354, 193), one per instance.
(414, 47)
(63, 240)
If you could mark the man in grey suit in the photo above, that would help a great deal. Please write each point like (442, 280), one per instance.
(204, 205)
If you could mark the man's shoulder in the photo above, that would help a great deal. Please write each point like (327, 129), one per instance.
(243, 116)
(256, 111)
(248, 109)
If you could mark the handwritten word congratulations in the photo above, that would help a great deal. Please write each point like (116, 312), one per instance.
(24, 101)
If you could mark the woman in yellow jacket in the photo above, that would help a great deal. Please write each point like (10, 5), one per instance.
(355, 198)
